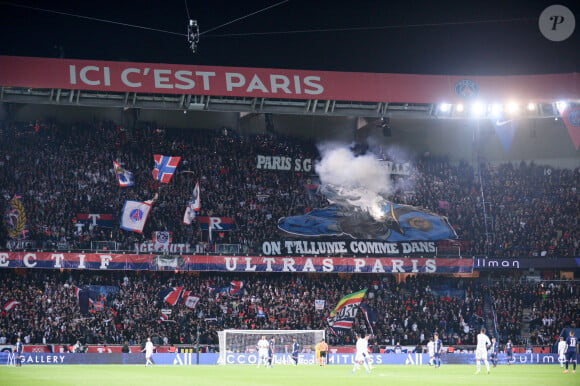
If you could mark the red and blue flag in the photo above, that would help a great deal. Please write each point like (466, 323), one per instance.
(171, 295)
(165, 166)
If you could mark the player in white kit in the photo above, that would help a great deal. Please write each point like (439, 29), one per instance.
(483, 343)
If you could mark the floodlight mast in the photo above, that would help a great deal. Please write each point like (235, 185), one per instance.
(193, 34)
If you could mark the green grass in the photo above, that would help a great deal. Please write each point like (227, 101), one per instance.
(283, 375)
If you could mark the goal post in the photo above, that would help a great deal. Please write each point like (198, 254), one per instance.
(245, 341)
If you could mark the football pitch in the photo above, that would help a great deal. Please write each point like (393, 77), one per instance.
(283, 375)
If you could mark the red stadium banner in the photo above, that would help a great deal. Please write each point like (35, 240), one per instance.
(37, 348)
(97, 261)
(277, 83)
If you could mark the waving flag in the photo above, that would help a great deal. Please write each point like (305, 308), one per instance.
(165, 166)
(371, 315)
(171, 295)
(11, 304)
(190, 300)
(162, 239)
(124, 176)
(236, 287)
(342, 317)
(134, 215)
(87, 299)
(193, 206)
(195, 203)
(571, 118)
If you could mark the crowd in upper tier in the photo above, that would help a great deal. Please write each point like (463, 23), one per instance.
(60, 171)
(408, 311)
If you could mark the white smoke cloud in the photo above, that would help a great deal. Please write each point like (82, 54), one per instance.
(360, 181)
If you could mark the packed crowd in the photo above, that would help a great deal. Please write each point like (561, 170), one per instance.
(407, 312)
(62, 171)
(555, 306)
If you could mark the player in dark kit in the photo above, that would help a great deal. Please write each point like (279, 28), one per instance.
(271, 351)
(571, 351)
(20, 348)
(295, 350)
(509, 350)
(494, 351)
(438, 346)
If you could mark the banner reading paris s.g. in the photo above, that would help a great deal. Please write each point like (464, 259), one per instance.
(98, 261)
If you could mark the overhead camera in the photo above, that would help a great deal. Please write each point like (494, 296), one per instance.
(193, 34)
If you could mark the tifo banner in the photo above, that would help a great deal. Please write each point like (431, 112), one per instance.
(188, 359)
(397, 223)
(99, 261)
(277, 83)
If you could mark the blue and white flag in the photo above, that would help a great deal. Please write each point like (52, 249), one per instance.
(124, 176)
(192, 206)
(134, 215)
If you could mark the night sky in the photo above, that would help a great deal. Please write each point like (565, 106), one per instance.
(411, 36)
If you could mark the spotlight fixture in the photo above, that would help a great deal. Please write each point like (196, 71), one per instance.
(385, 124)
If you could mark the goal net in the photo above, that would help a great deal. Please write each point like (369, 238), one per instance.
(245, 341)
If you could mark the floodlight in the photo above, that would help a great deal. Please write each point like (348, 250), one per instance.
(459, 108)
(444, 107)
(495, 110)
(561, 106)
(478, 109)
(531, 106)
(512, 108)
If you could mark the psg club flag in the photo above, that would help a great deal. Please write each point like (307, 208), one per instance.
(165, 166)
(342, 317)
(124, 176)
(162, 239)
(134, 215)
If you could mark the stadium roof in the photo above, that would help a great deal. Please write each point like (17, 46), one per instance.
(259, 90)
(482, 37)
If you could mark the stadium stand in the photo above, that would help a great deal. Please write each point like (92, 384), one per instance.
(532, 215)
